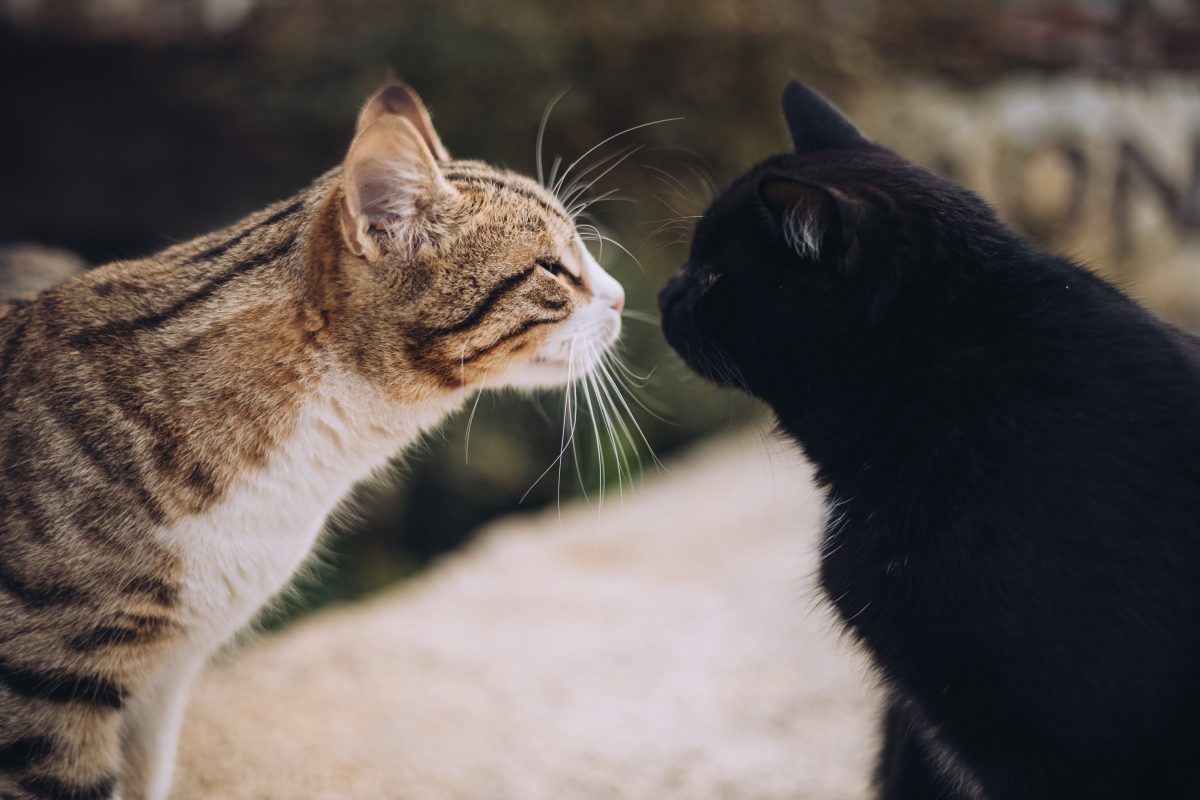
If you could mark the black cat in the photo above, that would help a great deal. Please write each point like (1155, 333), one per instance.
(1011, 449)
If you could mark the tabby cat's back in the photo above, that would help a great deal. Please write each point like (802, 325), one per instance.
(174, 430)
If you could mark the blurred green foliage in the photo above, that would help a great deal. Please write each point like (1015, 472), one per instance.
(132, 138)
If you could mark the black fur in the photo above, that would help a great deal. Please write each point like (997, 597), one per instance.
(1011, 449)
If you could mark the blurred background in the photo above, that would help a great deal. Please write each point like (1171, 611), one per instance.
(132, 124)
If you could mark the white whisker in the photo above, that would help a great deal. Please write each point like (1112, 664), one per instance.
(604, 382)
(541, 134)
(640, 316)
(593, 149)
(577, 189)
(470, 422)
(578, 185)
(632, 419)
(587, 395)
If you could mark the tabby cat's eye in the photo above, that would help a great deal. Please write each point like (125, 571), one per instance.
(556, 269)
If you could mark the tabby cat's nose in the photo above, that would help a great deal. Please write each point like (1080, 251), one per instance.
(619, 303)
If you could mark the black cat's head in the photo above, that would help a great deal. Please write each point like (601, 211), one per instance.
(799, 259)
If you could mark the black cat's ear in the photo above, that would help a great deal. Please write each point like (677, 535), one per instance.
(815, 222)
(815, 123)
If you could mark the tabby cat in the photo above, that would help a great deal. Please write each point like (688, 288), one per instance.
(1011, 450)
(174, 430)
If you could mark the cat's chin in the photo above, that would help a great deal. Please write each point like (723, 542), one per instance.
(544, 372)
(539, 373)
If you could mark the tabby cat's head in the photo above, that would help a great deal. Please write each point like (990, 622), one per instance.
(811, 258)
(455, 273)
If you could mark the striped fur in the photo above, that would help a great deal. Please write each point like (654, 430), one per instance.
(174, 430)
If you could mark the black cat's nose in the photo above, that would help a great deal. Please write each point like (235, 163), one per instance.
(672, 290)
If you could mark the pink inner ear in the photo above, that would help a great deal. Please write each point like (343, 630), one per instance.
(400, 100)
(388, 170)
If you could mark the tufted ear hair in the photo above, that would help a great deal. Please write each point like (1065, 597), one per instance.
(396, 197)
(398, 99)
(815, 123)
(815, 222)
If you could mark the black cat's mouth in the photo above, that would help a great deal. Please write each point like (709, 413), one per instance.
(697, 351)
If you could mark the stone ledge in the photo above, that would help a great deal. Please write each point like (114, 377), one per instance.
(673, 645)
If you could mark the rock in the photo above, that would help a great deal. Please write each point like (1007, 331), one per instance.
(672, 644)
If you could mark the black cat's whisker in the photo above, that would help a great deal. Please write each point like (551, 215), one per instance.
(671, 225)
(675, 189)
(697, 164)
(680, 230)
(731, 372)
(665, 199)
(706, 182)
(681, 218)
(682, 189)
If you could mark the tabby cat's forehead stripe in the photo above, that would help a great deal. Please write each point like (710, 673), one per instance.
(522, 188)
(513, 183)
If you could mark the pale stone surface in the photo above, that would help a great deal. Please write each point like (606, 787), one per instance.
(672, 645)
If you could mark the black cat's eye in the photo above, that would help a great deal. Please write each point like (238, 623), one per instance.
(556, 268)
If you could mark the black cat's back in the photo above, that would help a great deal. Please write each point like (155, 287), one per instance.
(1029, 556)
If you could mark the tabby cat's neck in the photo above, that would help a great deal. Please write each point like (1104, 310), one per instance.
(216, 351)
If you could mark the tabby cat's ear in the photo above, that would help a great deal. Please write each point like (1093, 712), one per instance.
(396, 197)
(399, 99)
(815, 123)
(816, 222)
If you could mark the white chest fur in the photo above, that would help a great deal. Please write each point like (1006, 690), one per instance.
(242, 551)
